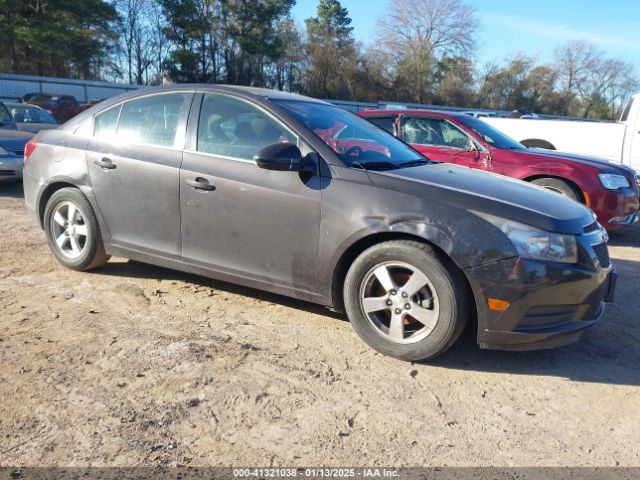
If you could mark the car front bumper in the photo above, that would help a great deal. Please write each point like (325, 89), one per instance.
(616, 209)
(550, 304)
(11, 167)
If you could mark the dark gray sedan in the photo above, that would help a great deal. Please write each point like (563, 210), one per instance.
(296, 196)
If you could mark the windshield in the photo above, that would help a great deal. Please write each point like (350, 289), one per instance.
(492, 136)
(358, 142)
(22, 114)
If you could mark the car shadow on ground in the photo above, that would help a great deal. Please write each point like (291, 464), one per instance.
(11, 189)
(131, 268)
(608, 354)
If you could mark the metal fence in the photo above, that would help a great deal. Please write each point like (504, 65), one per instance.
(13, 87)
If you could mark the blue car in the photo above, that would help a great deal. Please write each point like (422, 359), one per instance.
(12, 144)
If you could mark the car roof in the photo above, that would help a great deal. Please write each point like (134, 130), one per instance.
(247, 92)
(237, 89)
(441, 113)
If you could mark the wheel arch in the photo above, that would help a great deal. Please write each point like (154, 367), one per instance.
(51, 188)
(538, 143)
(346, 259)
(566, 180)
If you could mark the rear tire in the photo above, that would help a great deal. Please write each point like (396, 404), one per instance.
(405, 301)
(73, 232)
(537, 143)
(559, 186)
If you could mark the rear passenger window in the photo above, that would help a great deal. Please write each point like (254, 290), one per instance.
(151, 120)
(233, 128)
(105, 123)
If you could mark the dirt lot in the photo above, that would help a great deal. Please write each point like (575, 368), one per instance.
(138, 365)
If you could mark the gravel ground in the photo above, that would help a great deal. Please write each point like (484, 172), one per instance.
(137, 365)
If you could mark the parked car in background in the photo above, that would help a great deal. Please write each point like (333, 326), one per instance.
(27, 96)
(6, 120)
(62, 107)
(31, 118)
(247, 185)
(12, 146)
(92, 102)
(615, 141)
(609, 189)
(481, 114)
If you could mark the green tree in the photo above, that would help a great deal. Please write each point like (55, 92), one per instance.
(332, 59)
(57, 37)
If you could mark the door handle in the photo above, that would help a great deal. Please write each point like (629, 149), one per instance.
(201, 184)
(105, 163)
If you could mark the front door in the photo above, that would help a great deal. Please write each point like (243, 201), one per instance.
(439, 139)
(239, 218)
(134, 166)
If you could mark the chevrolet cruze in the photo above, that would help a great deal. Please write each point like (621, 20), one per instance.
(250, 186)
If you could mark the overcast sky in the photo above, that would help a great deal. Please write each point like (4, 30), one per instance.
(535, 27)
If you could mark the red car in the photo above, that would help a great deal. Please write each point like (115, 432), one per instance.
(611, 190)
(62, 107)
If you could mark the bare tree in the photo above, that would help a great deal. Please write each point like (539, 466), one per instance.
(136, 37)
(573, 62)
(416, 33)
(589, 81)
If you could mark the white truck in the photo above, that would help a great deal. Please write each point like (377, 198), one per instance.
(615, 141)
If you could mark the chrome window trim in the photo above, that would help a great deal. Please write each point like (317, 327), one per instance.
(224, 157)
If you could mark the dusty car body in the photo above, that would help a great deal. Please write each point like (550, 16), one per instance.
(245, 186)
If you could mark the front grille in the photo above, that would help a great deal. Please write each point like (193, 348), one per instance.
(7, 173)
(594, 227)
(602, 252)
(19, 153)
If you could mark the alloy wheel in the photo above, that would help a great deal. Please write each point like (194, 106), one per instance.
(400, 302)
(69, 230)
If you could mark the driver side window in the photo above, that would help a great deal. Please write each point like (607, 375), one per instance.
(232, 128)
(434, 131)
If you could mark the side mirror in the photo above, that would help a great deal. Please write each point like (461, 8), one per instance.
(280, 156)
(484, 158)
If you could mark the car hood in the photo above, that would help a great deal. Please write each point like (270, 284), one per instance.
(597, 162)
(489, 193)
(14, 140)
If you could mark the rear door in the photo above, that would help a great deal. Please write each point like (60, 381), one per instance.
(439, 139)
(134, 161)
(239, 218)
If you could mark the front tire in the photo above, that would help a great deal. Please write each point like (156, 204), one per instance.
(73, 232)
(559, 186)
(405, 301)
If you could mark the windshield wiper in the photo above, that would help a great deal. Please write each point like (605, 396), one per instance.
(375, 165)
(414, 163)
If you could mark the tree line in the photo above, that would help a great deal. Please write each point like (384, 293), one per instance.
(422, 51)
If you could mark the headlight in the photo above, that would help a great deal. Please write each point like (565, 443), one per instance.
(537, 244)
(613, 182)
(3, 151)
